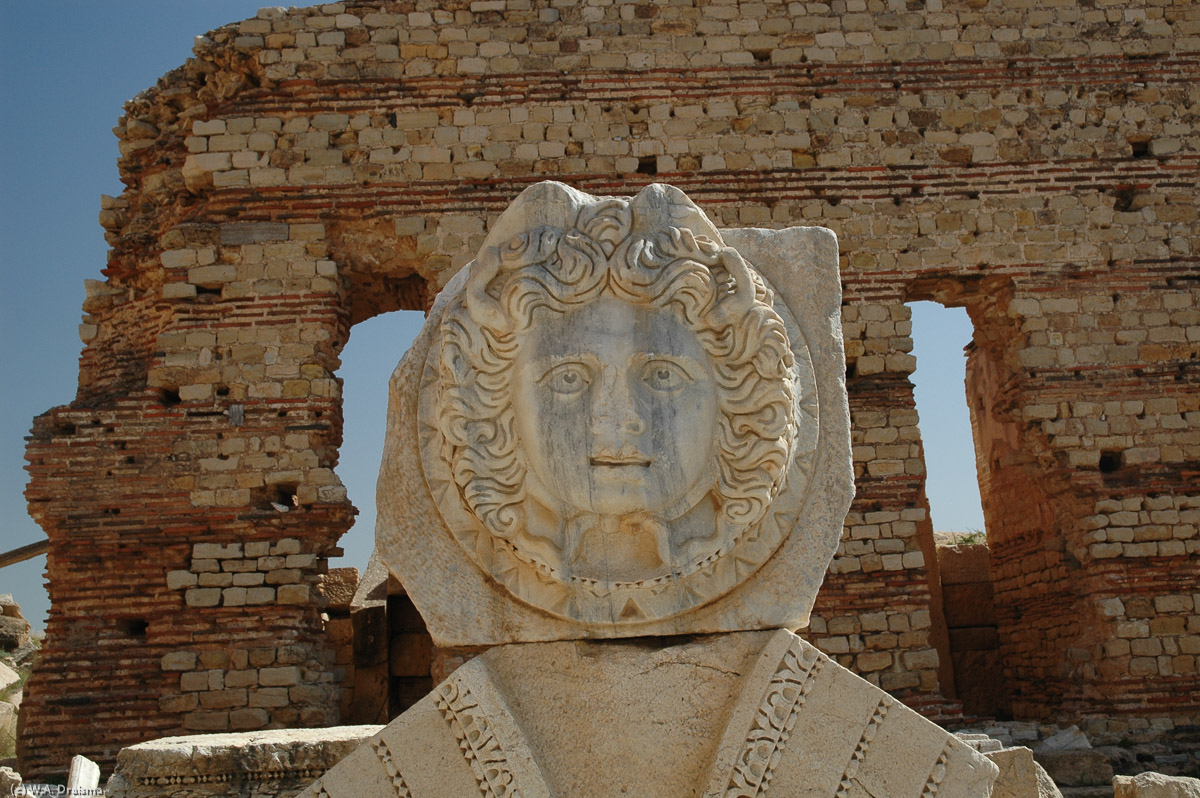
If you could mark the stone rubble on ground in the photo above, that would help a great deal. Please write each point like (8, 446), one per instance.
(1070, 761)
(1070, 739)
(1021, 776)
(9, 781)
(16, 652)
(14, 629)
(1155, 785)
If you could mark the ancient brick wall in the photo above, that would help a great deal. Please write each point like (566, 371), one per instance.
(1034, 162)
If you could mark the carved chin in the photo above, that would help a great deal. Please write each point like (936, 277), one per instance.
(628, 548)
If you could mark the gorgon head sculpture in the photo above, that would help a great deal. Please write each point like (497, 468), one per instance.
(618, 398)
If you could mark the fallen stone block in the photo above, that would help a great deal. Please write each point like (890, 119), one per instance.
(278, 763)
(84, 775)
(1020, 775)
(14, 632)
(8, 678)
(1070, 739)
(1071, 761)
(1076, 768)
(9, 781)
(1155, 785)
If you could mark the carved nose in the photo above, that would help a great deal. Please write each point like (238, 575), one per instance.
(629, 423)
(615, 413)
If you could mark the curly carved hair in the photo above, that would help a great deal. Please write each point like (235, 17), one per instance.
(549, 269)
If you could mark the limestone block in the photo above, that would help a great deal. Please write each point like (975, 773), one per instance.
(1020, 776)
(8, 728)
(83, 775)
(8, 678)
(203, 597)
(9, 781)
(1155, 785)
(14, 631)
(634, 481)
(198, 168)
(338, 586)
(1080, 767)
(1069, 739)
(178, 661)
(293, 594)
(749, 713)
(279, 677)
(277, 763)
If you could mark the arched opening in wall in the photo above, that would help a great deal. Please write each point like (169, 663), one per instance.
(384, 670)
(942, 336)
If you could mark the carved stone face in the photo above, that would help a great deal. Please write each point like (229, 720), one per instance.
(616, 407)
(613, 402)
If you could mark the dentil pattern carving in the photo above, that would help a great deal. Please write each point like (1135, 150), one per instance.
(476, 740)
(772, 727)
(380, 746)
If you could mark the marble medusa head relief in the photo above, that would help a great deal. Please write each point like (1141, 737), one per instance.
(620, 422)
(617, 415)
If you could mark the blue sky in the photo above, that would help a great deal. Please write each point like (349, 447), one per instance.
(65, 70)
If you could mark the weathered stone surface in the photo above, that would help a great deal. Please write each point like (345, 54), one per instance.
(601, 502)
(1076, 767)
(8, 606)
(654, 718)
(1020, 776)
(14, 632)
(8, 678)
(9, 780)
(372, 589)
(253, 232)
(964, 563)
(83, 776)
(983, 743)
(263, 764)
(9, 714)
(338, 588)
(1155, 785)
(1069, 739)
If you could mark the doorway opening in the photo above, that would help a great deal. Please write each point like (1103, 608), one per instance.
(942, 339)
(940, 335)
(380, 640)
(368, 359)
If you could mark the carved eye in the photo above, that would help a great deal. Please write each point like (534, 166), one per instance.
(567, 379)
(663, 375)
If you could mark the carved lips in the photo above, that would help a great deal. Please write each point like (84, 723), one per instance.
(620, 460)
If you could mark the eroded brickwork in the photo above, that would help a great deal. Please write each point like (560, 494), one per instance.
(310, 168)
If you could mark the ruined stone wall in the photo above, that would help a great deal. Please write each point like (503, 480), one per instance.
(970, 611)
(1034, 162)
(1091, 497)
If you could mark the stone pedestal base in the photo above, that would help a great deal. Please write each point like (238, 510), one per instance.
(746, 713)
